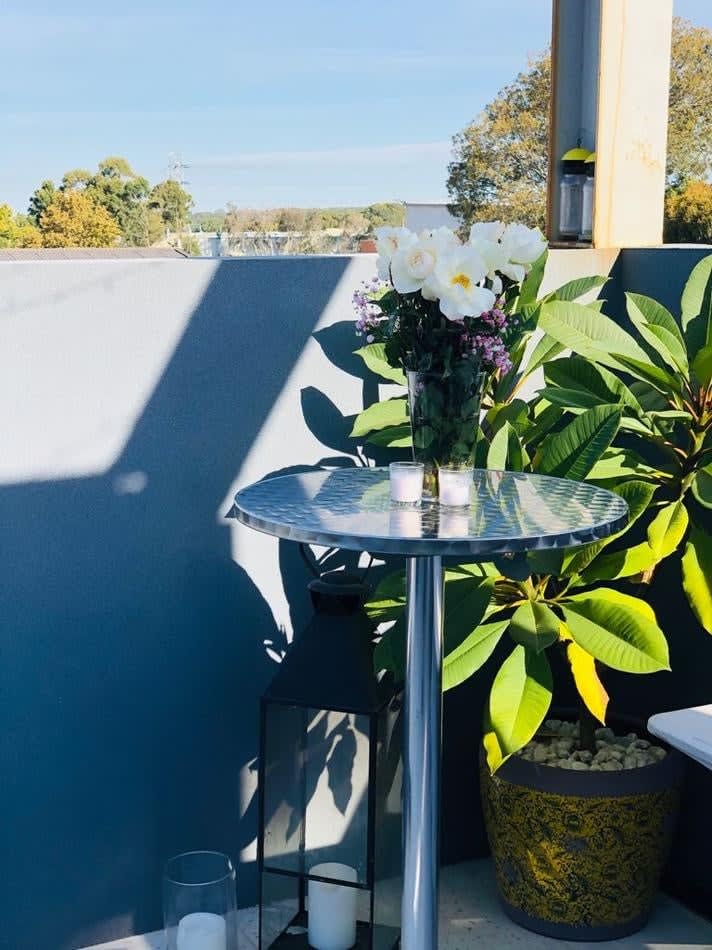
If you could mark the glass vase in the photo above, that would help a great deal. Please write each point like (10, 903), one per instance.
(444, 418)
(199, 902)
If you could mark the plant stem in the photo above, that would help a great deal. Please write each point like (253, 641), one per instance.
(587, 726)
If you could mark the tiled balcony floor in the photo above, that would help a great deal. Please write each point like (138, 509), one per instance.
(470, 918)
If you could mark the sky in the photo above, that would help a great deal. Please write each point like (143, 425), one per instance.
(287, 102)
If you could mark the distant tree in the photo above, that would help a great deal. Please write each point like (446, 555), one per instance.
(17, 230)
(208, 221)
(290, 219)
(172, 202)
(689, 150)
(75, 219)
(385, 214)
(189, 245)
(40, 199)
(688, 213)
(500, 161)
(76, 179)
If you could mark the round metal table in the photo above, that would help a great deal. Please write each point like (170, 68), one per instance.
(351, 509)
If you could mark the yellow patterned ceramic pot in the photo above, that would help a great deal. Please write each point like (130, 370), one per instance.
(578, 855)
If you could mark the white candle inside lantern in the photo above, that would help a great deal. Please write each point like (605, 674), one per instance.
(455, 484)
(202, 932)
(332, 908)
(406, 482)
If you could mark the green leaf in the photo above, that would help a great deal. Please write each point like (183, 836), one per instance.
(576, 373)
(667, 529)
(637, 495)
(622, 463)
(473, 652)
(388, 599)
(658, 328)
(697, 576)
(696, 306)
(702, 365)
(518, 703)
(374, 356)
(574, 289)
(615, 634)
(546, 349)
(618, 597)
(626, 563)
(588, 333)
(702, 486)
(660, 379)
(545, 419)
(466, 600)
(392, 437)
(380, 415)
(574, 451)
(505, 450)
(532, 282)
(534, 625)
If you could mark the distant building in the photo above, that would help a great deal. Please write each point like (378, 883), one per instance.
(427, 215)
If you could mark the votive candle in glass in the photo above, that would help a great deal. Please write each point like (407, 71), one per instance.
(199, 902)
(455, 485)
(406, 480)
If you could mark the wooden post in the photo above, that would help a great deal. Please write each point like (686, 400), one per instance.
(610, 87)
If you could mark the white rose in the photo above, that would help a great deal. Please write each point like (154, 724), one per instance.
(523, 245)
(486, 231)
(411, 266)
(456, 283)
(388, 241)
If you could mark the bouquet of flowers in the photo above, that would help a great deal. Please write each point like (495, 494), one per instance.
(446, 313)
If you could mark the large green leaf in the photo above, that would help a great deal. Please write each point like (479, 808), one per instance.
(546, 349)
(518, 703)
(390, 412)
(472, 653)
(505, 450)
(697, 576)
(545, 418)
(702, 486)
(618, 463)
(392, 437)
(661, 379)
(588, 333)
(388, 599)
(534, 625)
(576, 373)
(616, 634)
(374, 356)
(574, 451)
(659, 329)
(466, 600)
(696, 306)
(667, 529)
(530, 286)
(626, 563)
(637, 495)
(574, 289)
(702, 365)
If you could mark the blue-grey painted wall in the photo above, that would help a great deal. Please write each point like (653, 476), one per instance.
(138, 625)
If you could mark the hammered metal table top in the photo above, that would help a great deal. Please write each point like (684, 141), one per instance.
(351, 509)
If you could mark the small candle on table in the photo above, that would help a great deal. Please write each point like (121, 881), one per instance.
(406, 480)
(332, 908)
(202, 932)
(455, 485)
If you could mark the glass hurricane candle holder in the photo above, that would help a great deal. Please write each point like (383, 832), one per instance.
(199, 902)
(406, 479)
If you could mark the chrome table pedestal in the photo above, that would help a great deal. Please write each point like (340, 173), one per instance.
(510, 513)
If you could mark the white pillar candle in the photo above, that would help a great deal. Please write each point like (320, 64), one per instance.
(332, 908)
(202, 932)
(455, 486)
(406, 482)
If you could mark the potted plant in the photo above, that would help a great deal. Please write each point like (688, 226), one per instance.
(579, 819)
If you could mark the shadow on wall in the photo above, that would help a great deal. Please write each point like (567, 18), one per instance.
(130, 666)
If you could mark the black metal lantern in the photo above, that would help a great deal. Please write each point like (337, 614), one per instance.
(329, 845)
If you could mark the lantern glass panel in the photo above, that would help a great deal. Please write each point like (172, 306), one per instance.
(283, 786)
(388, 864)
(280, 907)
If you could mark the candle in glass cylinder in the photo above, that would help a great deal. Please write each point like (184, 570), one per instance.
(332, 908)
(201, 932)
(455, 485)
